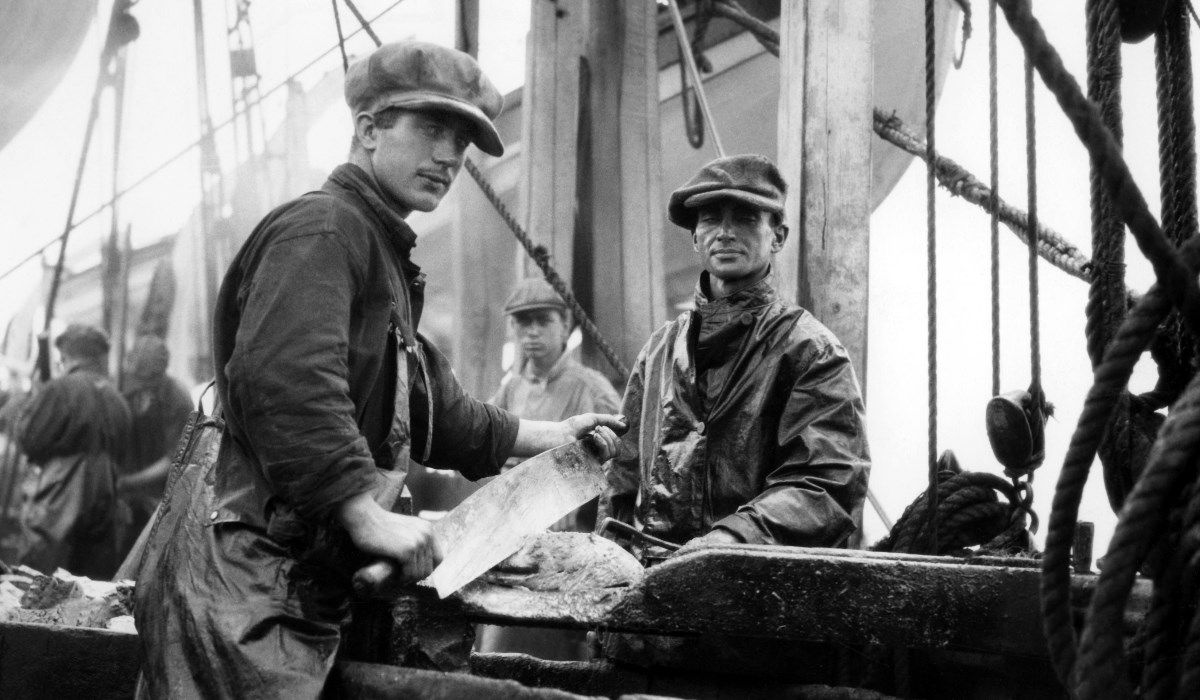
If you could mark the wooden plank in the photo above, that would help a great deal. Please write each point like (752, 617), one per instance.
(909, 600)
(622, 209)
(824, 142)
(549, 130)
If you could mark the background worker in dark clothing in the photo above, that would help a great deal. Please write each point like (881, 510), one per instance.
(159, 407)
(325, 382)
(75, 428)
(746, 420)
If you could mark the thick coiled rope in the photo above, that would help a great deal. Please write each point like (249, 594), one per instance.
(970, 513)
(1176, 284)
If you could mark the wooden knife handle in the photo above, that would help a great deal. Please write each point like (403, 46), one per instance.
(369, 581)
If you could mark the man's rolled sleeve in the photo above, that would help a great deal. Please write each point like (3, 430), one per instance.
(469, 436)
(822, 478)
(288, 375)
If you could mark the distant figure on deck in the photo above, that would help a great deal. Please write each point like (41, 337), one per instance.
(746, 420)
(547, 384)
(159, 406)
(76, 429)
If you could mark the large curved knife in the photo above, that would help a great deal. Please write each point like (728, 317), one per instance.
(493, 522)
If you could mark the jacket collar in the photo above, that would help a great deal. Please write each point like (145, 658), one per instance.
(353, 179)
(757, 295)
(564, 361)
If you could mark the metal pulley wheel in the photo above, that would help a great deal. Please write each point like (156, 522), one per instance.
(1140, 18)
(1016, 423)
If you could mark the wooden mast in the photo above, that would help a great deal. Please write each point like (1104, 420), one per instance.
(620, 177)
(825, 93)
(591, 190)
(550, 131)
(479, 239)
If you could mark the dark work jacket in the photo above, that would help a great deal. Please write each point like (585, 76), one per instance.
(745, 415)
(306, 360)
(75, 427)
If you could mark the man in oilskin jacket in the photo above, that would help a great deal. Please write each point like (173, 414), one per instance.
(746, 420)
(324, 382)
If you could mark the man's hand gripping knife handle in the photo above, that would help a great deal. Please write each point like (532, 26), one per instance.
(369, 581)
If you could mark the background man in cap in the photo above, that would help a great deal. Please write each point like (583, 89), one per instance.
(324, 382)
(746, 421)
(548, 384)
(76, 429)
(159, 406)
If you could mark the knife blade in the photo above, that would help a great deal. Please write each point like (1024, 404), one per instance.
(493, 522)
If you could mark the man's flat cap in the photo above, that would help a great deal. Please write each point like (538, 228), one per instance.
(752, 179)
(420, 76)
(82, 340)
(533, 293)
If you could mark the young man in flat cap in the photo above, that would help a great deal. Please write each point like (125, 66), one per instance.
(548, 384)
(325, 381)
(746, 420)
(76, 429)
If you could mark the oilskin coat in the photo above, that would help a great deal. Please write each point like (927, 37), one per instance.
(745, 415)
(318, 363)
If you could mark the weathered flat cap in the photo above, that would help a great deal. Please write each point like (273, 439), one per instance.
(421, 76)
(752, 179)
(533, 293)
(82, 340)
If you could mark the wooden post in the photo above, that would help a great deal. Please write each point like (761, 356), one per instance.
(620, 190)
(825, 97)
(466, 26)
(550, 130)
(479, 240)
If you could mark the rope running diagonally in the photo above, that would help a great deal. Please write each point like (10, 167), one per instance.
(959, 182)
(994, 196)
(542, 258)
(537, 253)
(931, 260)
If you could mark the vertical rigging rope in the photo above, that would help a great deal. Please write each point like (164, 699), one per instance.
(337, 20)
(1175, 349)
(994, 197)
(931, 256)
(1035, 343)
(1106, 295)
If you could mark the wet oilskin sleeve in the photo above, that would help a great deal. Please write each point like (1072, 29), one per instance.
(824, 461)
(623, 472)
(469, 436)
(288, 375)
